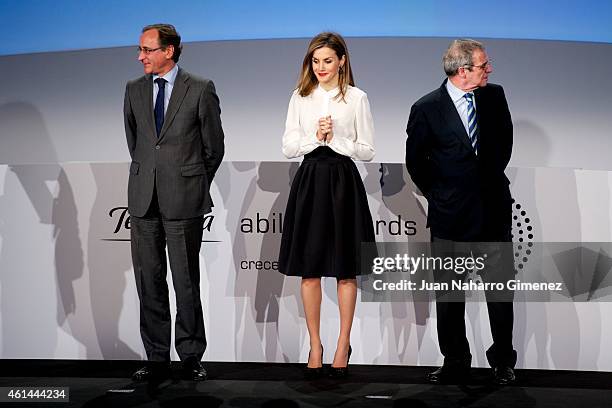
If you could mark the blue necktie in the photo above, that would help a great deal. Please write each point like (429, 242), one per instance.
(159, 104)
(472, 125)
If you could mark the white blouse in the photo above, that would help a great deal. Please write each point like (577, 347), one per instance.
(352, 123)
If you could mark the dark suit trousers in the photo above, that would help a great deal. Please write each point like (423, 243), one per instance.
(450, 307)
(150, 235)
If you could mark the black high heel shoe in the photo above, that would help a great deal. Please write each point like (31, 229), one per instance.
(341, 372)
(316, 372)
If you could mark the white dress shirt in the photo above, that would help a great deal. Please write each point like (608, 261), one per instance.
(352, 124)
(460, 102)
(170, 77)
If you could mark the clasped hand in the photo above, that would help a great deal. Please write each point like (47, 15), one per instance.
(325, 131)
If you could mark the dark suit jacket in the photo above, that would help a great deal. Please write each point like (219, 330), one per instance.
(468, 194)
(182, 162)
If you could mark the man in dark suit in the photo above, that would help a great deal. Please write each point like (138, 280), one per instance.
(174, 135)
(459, 144)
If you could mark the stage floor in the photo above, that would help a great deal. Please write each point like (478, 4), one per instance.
(108, 384)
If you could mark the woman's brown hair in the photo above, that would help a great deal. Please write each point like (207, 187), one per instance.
(308, 80)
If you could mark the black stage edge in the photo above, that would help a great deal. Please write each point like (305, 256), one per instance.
(282, 385)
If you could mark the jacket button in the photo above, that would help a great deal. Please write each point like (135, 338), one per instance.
(157, 147)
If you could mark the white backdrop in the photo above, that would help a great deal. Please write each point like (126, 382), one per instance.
(67, 288)
(67, 106)
(66, 284)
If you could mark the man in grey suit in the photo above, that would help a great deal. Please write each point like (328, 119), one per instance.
(174, 135)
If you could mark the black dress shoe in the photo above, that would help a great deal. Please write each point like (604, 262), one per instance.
(312, 373)
(449, 375)
(152, 372)
(503, 375)
(341, 372)
(193, 370)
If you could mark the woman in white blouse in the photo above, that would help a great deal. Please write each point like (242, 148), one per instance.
(327, 216)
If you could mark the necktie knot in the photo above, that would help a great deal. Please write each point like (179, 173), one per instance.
(161, 82)
(468, 97)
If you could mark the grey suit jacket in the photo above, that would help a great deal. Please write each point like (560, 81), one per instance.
(182, 162)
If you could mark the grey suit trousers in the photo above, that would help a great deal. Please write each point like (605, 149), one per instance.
(150, 235)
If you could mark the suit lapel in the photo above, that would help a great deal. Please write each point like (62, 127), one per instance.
(451, 116)
(181, 85)
(479, 100)
(146, 96)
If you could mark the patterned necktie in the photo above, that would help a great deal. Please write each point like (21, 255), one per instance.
(472, 125)
(159, 104)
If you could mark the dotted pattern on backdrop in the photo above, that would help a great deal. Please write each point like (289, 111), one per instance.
(522, 235)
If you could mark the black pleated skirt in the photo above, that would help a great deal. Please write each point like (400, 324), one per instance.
(326, 220)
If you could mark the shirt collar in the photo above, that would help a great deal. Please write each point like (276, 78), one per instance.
(169, 76)
(455, 93)
(333, 91)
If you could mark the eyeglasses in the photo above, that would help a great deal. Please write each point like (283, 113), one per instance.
(482, 66)
(148, 51)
